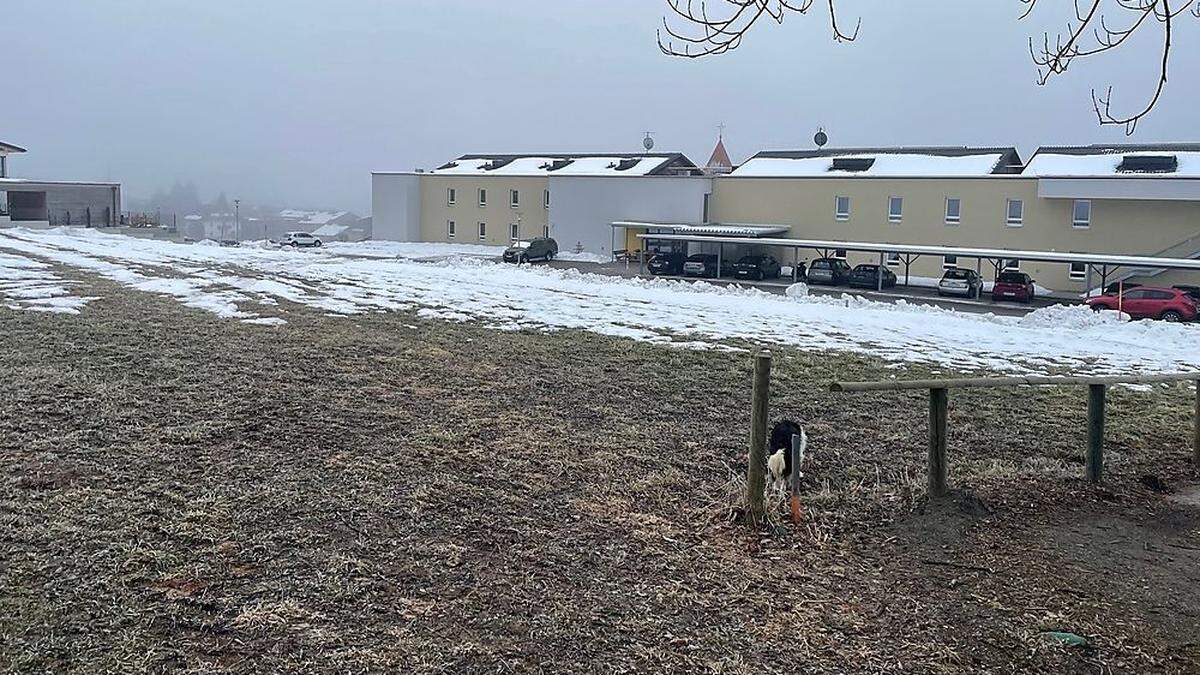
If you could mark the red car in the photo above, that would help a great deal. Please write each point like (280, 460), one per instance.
(1149, 302)
(1013, 286)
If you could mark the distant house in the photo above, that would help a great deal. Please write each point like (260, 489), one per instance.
(43, 202)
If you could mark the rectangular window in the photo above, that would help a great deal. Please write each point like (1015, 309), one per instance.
(895, 209)
(707, 202)
(450, 229)
(893, 259)
(545, 230)
(953, 210)
(949, 262)
(482, 196)
(1079, 271)
(513, 232)
(483, 230)
(1082, 214)
(546, 198)
(514, 198)
(841, 208)
(1016, 212)
(1012, 264)
(451, 197)
(840, 254)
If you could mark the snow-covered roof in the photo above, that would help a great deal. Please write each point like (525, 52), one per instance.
(552, 164)
(1180, 160)
(707, 229)
(330, 230)
(316, 218)
(7, 148)
(881, 162)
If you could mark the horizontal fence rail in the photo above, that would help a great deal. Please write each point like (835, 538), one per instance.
(1018, 381)
(1097, 390)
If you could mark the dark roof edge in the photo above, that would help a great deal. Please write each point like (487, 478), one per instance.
(9, 147)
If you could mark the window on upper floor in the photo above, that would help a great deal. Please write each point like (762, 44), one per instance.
(483, 196)
(1016, 212)
(841, 208)
(514, 198)
(1081, 216)
(895, 209)
(451, 196)
(953, 210)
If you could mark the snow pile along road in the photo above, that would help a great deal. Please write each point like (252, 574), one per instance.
(241, 282)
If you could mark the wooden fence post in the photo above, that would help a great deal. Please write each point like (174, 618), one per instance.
(1095, 451)
(1196, 426)
(938, 405)
(756, 480)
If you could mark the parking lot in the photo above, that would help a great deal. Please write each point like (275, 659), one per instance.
(918, 294)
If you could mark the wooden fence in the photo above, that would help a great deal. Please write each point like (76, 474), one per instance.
(939, 397)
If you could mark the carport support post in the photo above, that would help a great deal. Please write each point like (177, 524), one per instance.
(795, 264)
(1095, 451)
(756, 479)
(938, 408)
(879, 273)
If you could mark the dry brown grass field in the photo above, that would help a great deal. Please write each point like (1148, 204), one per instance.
(385, 493)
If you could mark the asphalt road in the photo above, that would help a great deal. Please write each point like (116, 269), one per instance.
(911, 294)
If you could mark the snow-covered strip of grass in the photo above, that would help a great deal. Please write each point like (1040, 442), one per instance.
(507, 297)
(30, 285)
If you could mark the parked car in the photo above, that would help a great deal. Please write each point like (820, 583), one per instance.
(705, 265)
(1193, 292)
(666, 263)
(1116, 286)
(229, 243)
(1013, 286)
(1149, 302)
(541, 249)
(867, 276)
(960, 281)
(828, 271)
(301, 239)
(756, 267)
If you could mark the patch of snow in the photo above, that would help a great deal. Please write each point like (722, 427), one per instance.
(266, 321)
(584, 257)
(30, 285)
(1056, 165)
(886, 164)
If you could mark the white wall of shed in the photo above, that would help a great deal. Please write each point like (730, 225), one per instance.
(396, 206)
(582, 209)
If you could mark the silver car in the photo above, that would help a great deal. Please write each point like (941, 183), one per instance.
(301, 239)
(962, 282)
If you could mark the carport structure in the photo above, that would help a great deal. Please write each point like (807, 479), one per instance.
(708, 233)
(1095, 263)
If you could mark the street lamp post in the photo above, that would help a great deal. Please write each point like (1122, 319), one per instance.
(237, 219)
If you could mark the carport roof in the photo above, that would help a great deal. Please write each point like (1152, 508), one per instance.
(707, 229)
(10, 148)
(1111, 260)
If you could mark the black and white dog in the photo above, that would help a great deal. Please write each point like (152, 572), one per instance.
(779, 451)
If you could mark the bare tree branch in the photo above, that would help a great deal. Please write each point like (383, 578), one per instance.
(697, 33)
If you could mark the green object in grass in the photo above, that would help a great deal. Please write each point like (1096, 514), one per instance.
(1069, 639)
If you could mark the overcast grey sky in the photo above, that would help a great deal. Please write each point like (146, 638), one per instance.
(296, 101)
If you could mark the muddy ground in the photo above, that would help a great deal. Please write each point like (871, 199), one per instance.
(385, 493)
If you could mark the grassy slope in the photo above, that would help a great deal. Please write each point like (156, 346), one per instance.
(383, 492)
